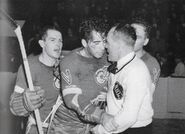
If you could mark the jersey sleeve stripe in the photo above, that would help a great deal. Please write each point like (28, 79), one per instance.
(72, 91)
(18, 89)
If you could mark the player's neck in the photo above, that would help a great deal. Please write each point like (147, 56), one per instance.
(46, 60)
(84, 53)
(140, 53)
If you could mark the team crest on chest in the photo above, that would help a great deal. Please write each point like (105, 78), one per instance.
(119, 91)
(101, 75)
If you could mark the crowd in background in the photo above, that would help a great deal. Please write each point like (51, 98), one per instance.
(167, 18)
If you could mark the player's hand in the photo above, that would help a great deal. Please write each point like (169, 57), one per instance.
(108, 122)
(99, 129)
(34, 99)
(105, 118)
(100, 100)
(95, 116)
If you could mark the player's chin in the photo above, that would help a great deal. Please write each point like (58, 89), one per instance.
(56, 56)
(110, 58)
(136, 49)
(99, 55)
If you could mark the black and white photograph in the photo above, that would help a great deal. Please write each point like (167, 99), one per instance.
(92, 66)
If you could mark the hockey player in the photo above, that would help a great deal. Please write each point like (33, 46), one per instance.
(84, 81)
(142, 31)
(45, 76)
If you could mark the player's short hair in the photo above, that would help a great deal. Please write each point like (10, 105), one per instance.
(142, 21)
(92, 24)
(43, 32)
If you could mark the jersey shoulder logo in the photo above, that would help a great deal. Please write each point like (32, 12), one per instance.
(119, 91)
(67, 76)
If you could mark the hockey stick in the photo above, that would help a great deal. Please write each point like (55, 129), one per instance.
(18, 33)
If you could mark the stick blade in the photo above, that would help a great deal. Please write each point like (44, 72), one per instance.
(8, 19)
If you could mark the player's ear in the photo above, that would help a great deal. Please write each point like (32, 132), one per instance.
(84, 43)
(146, 41)
(41, 43)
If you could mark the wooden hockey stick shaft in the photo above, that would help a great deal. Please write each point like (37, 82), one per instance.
(28, 75)
(18, 33)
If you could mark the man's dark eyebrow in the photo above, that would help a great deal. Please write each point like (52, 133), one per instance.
(52, 37)
(96, 41)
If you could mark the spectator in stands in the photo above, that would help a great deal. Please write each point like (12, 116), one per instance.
(33, 46)
(179, 68)
(168, 64)
(71, 40)
(157, 43)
